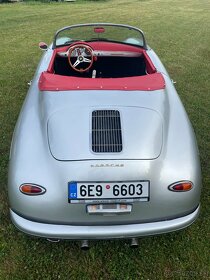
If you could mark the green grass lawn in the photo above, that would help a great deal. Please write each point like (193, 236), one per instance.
(179, 31)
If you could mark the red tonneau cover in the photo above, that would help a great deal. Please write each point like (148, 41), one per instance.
(53, 82)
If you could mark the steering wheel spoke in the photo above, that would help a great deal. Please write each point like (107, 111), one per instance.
(86, 60)
(77, 62)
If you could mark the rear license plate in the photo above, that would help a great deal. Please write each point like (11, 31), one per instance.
(85, 192)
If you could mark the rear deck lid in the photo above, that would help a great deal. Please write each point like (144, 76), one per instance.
(84, 133)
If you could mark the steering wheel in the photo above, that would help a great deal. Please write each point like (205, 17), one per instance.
(80, 57)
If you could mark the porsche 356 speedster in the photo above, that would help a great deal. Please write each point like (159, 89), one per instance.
(103, 147)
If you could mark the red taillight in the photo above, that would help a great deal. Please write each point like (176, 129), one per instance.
(182, 186)
(31, 189)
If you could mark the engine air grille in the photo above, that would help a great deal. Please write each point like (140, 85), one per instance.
(106, 131)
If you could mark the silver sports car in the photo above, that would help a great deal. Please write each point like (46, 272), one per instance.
(103, 147)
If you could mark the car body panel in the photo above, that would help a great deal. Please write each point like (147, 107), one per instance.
(74, 144)
(101, 232)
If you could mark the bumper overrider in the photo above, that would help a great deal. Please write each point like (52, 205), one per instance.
(103, 231)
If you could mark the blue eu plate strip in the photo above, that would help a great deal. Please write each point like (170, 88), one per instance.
(72, 190)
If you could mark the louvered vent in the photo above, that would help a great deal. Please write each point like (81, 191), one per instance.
(106, 131)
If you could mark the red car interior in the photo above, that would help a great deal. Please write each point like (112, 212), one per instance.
(112, 72)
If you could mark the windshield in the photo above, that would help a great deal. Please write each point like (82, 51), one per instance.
(99, 32)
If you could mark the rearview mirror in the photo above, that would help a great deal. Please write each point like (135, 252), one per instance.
(99, 29)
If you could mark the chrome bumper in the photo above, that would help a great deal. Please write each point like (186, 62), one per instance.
(101, 232)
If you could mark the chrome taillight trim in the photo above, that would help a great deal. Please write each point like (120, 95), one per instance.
(170, 187)
(43, 190)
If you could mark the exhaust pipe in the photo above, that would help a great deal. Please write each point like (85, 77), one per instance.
(134, 243)
(53, 240)
(84, 245)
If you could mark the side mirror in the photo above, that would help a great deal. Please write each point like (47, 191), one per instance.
(43, 46)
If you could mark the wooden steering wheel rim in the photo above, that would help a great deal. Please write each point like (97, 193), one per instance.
(86, 47)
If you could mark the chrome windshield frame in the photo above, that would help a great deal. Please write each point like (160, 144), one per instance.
(99, 25)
